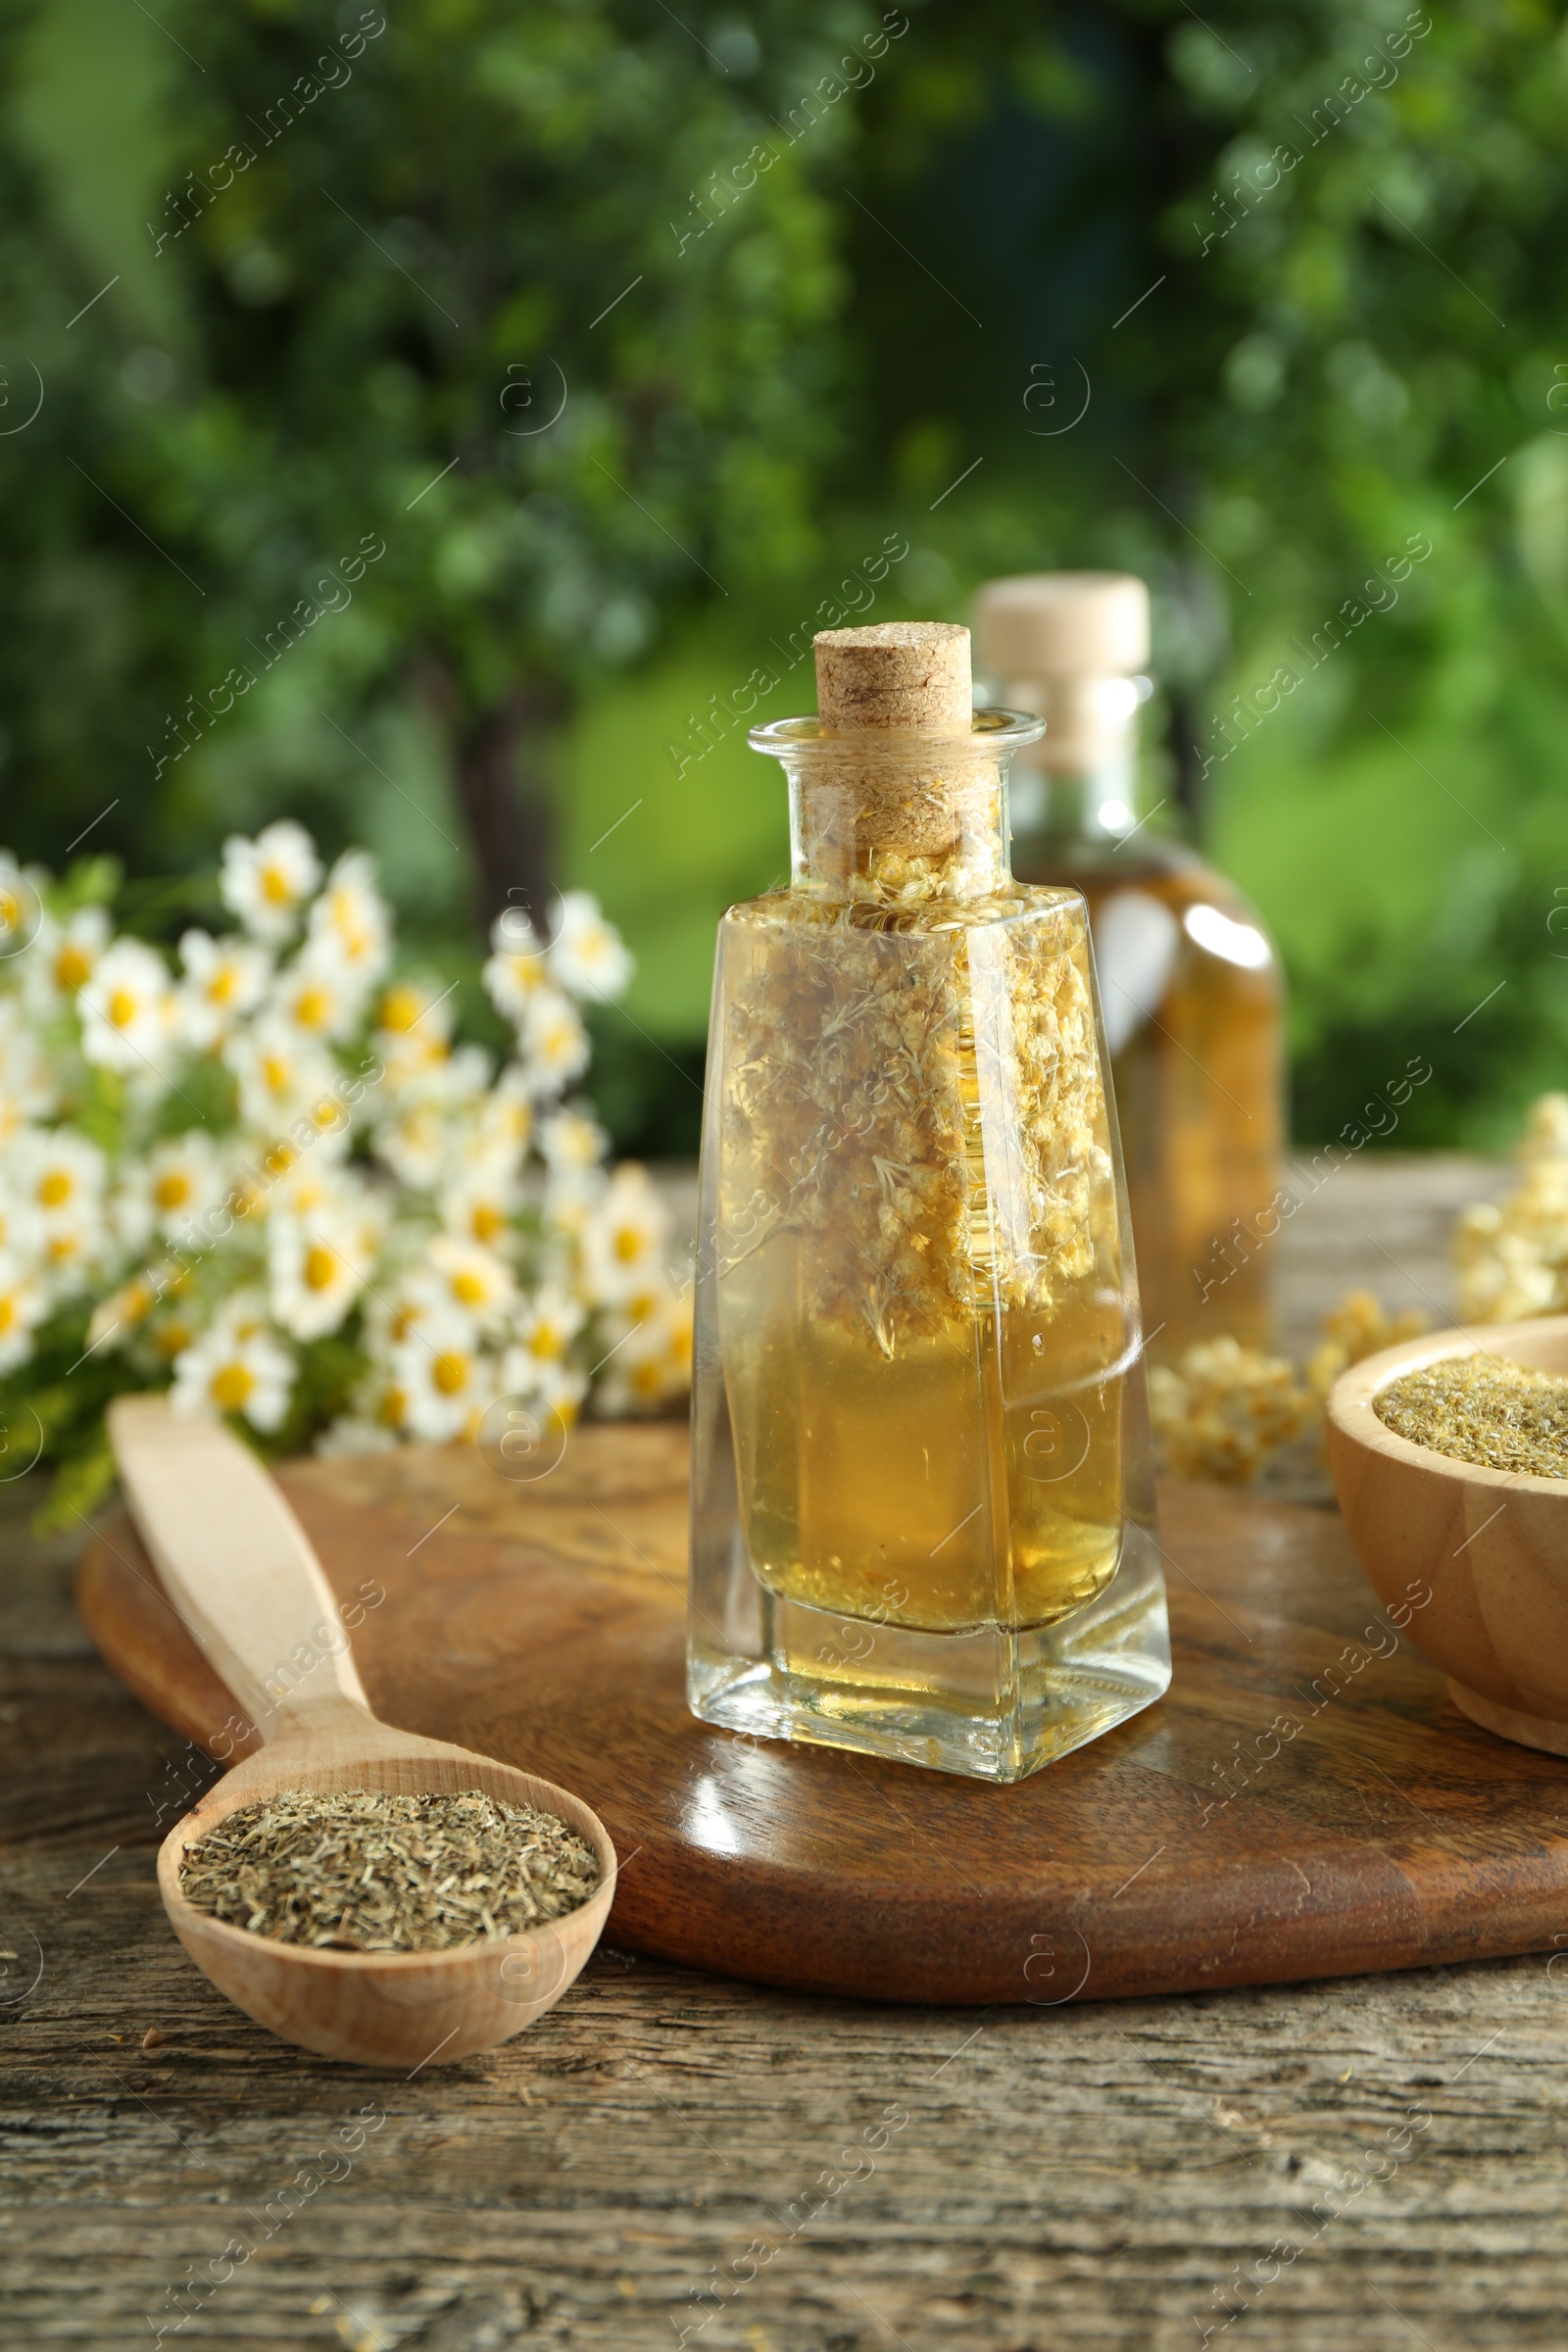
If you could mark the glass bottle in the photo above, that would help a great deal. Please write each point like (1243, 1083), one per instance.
(1193, 993)
(922, 1502)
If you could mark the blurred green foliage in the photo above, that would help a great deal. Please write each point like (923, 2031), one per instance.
(1306, 261)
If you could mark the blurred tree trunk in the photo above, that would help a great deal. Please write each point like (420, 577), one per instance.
(501, 761)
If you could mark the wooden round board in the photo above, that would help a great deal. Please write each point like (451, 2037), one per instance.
(1307, 1802)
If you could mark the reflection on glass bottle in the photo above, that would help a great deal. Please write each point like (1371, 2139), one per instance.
(921, 1504)
(1192, 988)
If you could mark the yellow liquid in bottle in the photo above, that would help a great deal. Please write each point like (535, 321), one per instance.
(955, 1485)
(1200, 1100)
(925, 1339)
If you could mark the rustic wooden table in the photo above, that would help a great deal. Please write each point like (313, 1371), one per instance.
(856, 2177)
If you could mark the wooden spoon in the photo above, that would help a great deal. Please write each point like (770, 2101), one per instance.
(240, 1570)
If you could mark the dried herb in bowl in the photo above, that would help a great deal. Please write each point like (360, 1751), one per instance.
(1482, 1408)
(364, 1871)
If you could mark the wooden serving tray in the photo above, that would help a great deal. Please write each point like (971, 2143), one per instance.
(1204, 1844)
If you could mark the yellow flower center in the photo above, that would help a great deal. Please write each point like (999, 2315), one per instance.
(54, 1188)
(10, 910)
(8, 1310)
(121, 1008)
(646, 1379)
(312, 1006)
(450, 1373)
(401, 1007)
(321, 1264)
(72, 965)
(470, 1288)
(275, 889)
(231, 1386)
(486, 1221)
(394, 1404)
(173, 1190)
(547, 1342)
(628, 1244)
(223, 985)
(174, 1338)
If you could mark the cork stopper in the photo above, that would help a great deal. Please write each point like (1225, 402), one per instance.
(912, 676)
(1061, 624)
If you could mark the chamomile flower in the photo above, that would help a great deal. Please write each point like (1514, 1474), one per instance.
(392, 1315)
(474, 1281)
(279, 1071)
(128, 1010)
(316, 1268)
(479, 1208)
(125, 1310)
(267, 881)
(448, 1263)
(19, 1225)
(586, 953)
(502, 1122)
(557, 1389)
(21, 907)
(652, 1363)
(568, 1209)
(318, 996)
(315, 1184)
(57, 1175)
(225, 979)
(417, 1010)
(553, 1042)
(237, 1366)
(63, 957)
(73, 1250)
(572, 1141)
(26, 1086)
(24, 1301)
(625, 1235)
(414, 1143)
(545, 1329)
(423, 1131)
(348, 931)
(182, 1181)
(516, 970)
(443, 1379)
(173, 1333)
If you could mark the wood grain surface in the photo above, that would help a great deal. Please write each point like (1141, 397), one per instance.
(1109, 2177)
(1307, 1802)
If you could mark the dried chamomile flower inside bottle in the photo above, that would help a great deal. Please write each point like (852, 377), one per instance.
(922, 1499)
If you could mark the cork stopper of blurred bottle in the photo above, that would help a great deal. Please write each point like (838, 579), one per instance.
(1072, 646)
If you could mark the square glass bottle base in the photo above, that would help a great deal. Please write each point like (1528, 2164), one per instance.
(992, 1704)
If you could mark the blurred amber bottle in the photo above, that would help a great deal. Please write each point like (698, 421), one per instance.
(1192, 989)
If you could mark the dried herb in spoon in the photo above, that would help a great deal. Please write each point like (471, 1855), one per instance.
(361, 1870)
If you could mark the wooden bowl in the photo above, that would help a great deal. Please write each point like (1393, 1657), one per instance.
(1490, 1546)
